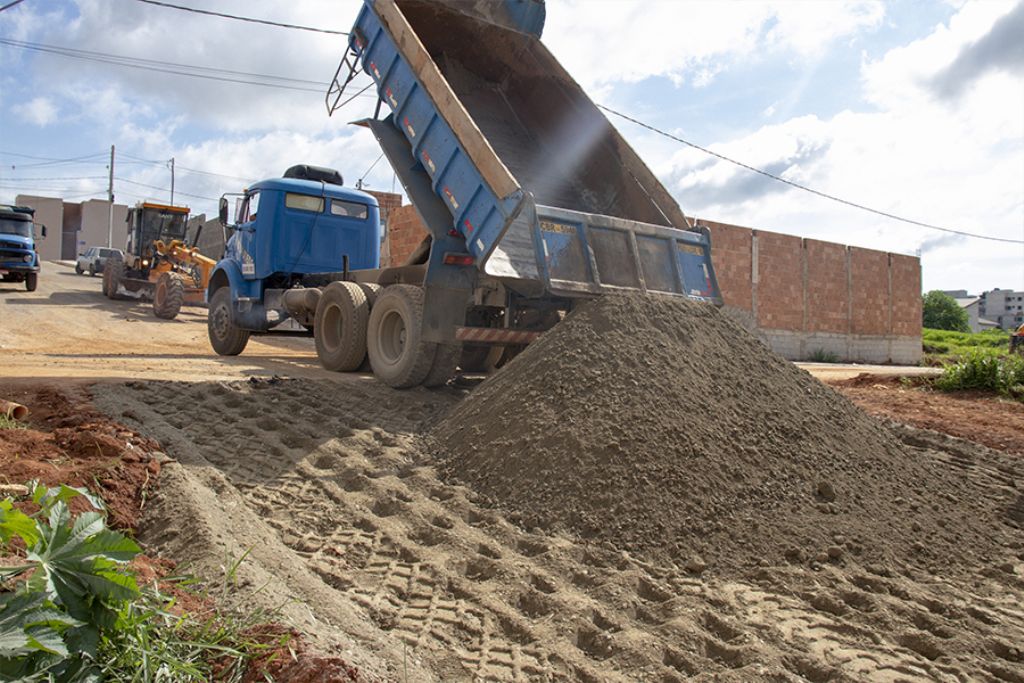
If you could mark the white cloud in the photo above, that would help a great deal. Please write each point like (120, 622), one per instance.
(39, 111)
(624, 41)
(952, 162)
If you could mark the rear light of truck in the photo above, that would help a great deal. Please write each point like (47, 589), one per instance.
(459, 259)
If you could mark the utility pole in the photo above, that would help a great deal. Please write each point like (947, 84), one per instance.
(110, 199)
(172, 181)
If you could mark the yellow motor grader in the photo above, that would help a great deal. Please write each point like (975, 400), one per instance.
(158, 263)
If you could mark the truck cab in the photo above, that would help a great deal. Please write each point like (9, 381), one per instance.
(19, 258)
(297, 231)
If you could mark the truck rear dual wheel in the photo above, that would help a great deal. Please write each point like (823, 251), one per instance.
(339, 327)
(225, 337)
(394, 340)
(168, 296)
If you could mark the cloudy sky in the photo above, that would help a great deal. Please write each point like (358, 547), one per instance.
(914, 108)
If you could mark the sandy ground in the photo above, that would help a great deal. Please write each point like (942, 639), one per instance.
(67, 329)
(378, 559)
(322, 483)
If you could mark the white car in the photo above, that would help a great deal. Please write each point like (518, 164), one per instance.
(94, 258)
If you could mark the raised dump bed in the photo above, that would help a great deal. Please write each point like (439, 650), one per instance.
(533, 176)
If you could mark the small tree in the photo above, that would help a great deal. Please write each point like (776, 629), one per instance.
(942, 312)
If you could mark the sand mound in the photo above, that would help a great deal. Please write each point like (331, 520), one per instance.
(663, 428)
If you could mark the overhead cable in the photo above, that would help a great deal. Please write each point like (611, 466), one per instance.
(798, 186)
(196, 10)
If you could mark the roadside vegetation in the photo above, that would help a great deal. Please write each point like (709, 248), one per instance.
(72, 608)
(944, 346)
(984, 371)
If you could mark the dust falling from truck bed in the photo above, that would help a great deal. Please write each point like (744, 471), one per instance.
(540, 123)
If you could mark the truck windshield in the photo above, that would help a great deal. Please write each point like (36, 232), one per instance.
(12, 227)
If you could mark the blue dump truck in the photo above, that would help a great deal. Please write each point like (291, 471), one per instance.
(19, 258)
(531, 199)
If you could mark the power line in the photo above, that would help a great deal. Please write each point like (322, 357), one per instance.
(196, 10)
(50, 161)
(153, 65)
(163, 189)
(58, 177)
(798, 186)
(10, 5)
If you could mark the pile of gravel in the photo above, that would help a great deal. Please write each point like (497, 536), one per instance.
(661, 427)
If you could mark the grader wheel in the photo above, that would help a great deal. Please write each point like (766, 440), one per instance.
(169, 295)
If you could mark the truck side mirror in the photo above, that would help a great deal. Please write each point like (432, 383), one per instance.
(43, 230)
(223, 215)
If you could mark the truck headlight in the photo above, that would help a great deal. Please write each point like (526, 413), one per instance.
(27, 258)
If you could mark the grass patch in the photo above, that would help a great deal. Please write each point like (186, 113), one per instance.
(823, 356)
(11, 423)
(981, 370)
(943, 346)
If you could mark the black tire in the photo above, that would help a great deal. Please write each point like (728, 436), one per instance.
(225, 337)
(480, 358)
(78, 269)
(339, 327)
(31, 280)
(113, 273)
(371, 290)
(168, 296)
(394, 339)
(446, 362)
(92, 270)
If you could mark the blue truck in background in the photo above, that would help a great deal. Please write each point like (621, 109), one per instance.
(531, 199)
(19, 258)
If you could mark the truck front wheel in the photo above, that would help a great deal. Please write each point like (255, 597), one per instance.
(394, 338)
(31, 280)
(225, 337)
(339, 327)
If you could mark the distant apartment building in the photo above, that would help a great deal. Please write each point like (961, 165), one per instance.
(72, 227)
(1004, 307)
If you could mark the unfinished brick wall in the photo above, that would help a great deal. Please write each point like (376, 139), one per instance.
(869, 289)
(779, 281)
(809, 296)
(905, 272)
(732, 251)
(828, 306)
(405, 232)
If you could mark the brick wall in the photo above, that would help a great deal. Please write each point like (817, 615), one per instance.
(780, 288)
(807, 295)
(732, 251)
(869, 289)
(827, 300)
(906, 295)
(405, 232)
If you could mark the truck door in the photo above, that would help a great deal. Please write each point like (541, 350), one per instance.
(246, 227)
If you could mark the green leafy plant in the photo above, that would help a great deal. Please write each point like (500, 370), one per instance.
(73, 586)
(985, 371)
(72, 610)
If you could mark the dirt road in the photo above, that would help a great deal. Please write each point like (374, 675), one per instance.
(68, 329)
